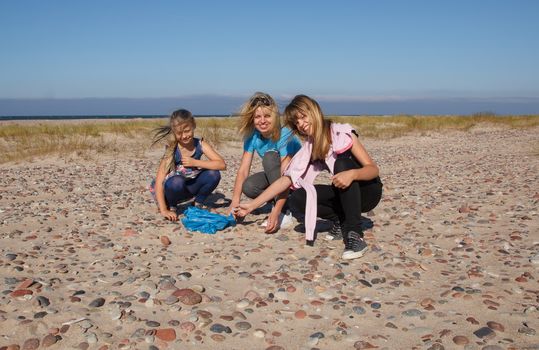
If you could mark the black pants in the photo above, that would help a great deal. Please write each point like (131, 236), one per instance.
(344, 205)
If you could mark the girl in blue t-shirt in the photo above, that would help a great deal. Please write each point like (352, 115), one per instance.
(261, 129)
(182, 174)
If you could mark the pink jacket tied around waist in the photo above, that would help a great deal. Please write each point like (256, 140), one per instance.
(302, 172)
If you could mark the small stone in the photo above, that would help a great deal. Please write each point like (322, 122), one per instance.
(472, 320)
(218, 337)
(362, 344)
(97, 302)
(165, 241)
(460, 340)
(526, 330)
(318, 335)
(243, 326)
(243, 303)
(300, 314)
(166, 334)
(436, 346)
(251, 295)
(290, 289)
(11, 347)
(91, 338)
(495, 326)
(171, 299)
(43, 301)
(31, 344)
(25, 284)
(11, 256)
(184, 276)
(259, 333)
(359, 310)
(198, 288)
(49, 340)
(376, 306)
(153, 324)
(412, 312)
(40, 314)
(219, 328)
(484, 332)
(188, 296)
(187, 326)
(204, 314)
(21, 292)
(85, 324)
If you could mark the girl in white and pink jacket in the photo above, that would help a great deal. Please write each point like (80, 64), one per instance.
(355, 187)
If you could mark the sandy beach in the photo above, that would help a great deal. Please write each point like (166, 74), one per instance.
(87, 263)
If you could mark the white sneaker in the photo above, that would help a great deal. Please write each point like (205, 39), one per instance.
(287, 220)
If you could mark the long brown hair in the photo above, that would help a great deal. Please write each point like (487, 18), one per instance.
(321, 127)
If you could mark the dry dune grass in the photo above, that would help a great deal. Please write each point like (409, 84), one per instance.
(23, 140)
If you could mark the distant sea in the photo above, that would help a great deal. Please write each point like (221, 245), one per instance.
(75, 117)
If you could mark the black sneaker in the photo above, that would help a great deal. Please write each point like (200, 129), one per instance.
(354, 246)
(335, 233)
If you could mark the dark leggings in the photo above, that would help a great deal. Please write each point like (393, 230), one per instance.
(341, 204)
(179, 189)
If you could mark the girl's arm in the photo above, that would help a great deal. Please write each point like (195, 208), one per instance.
(243, 172)
(279, 186)
(214, 161)
(368, 172)
(160, 192)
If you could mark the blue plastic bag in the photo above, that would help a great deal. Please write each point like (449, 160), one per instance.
(197, 219)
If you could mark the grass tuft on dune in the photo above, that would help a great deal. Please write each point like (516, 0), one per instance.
(24, 140)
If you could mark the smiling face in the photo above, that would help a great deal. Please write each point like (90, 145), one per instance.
(304, 124)
(263, 121)
(184, 133)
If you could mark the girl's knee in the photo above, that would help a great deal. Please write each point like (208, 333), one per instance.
(175, 183)
(249, 188)
(215, 175)
(342, 164)
(271, 159)
(297, 200)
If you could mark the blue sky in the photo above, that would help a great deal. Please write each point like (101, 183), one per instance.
(356, 57)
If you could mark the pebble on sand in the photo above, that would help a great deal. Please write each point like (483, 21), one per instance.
(166, 334)
(165, 240)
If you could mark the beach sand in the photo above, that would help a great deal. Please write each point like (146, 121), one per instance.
(86, 261)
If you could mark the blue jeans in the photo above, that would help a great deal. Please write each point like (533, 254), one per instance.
(179, 189)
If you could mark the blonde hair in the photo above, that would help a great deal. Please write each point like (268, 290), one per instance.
(321, 137)
(179, 116)
(247, 113)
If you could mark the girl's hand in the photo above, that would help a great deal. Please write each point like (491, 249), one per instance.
(344, 179)
(189, 162)
(232, 207)
(243, 210)
(169, 215)
(273, 222)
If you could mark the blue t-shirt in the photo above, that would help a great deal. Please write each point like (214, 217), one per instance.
(288, 143)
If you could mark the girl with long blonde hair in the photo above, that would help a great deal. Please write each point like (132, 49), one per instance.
(260, 127)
